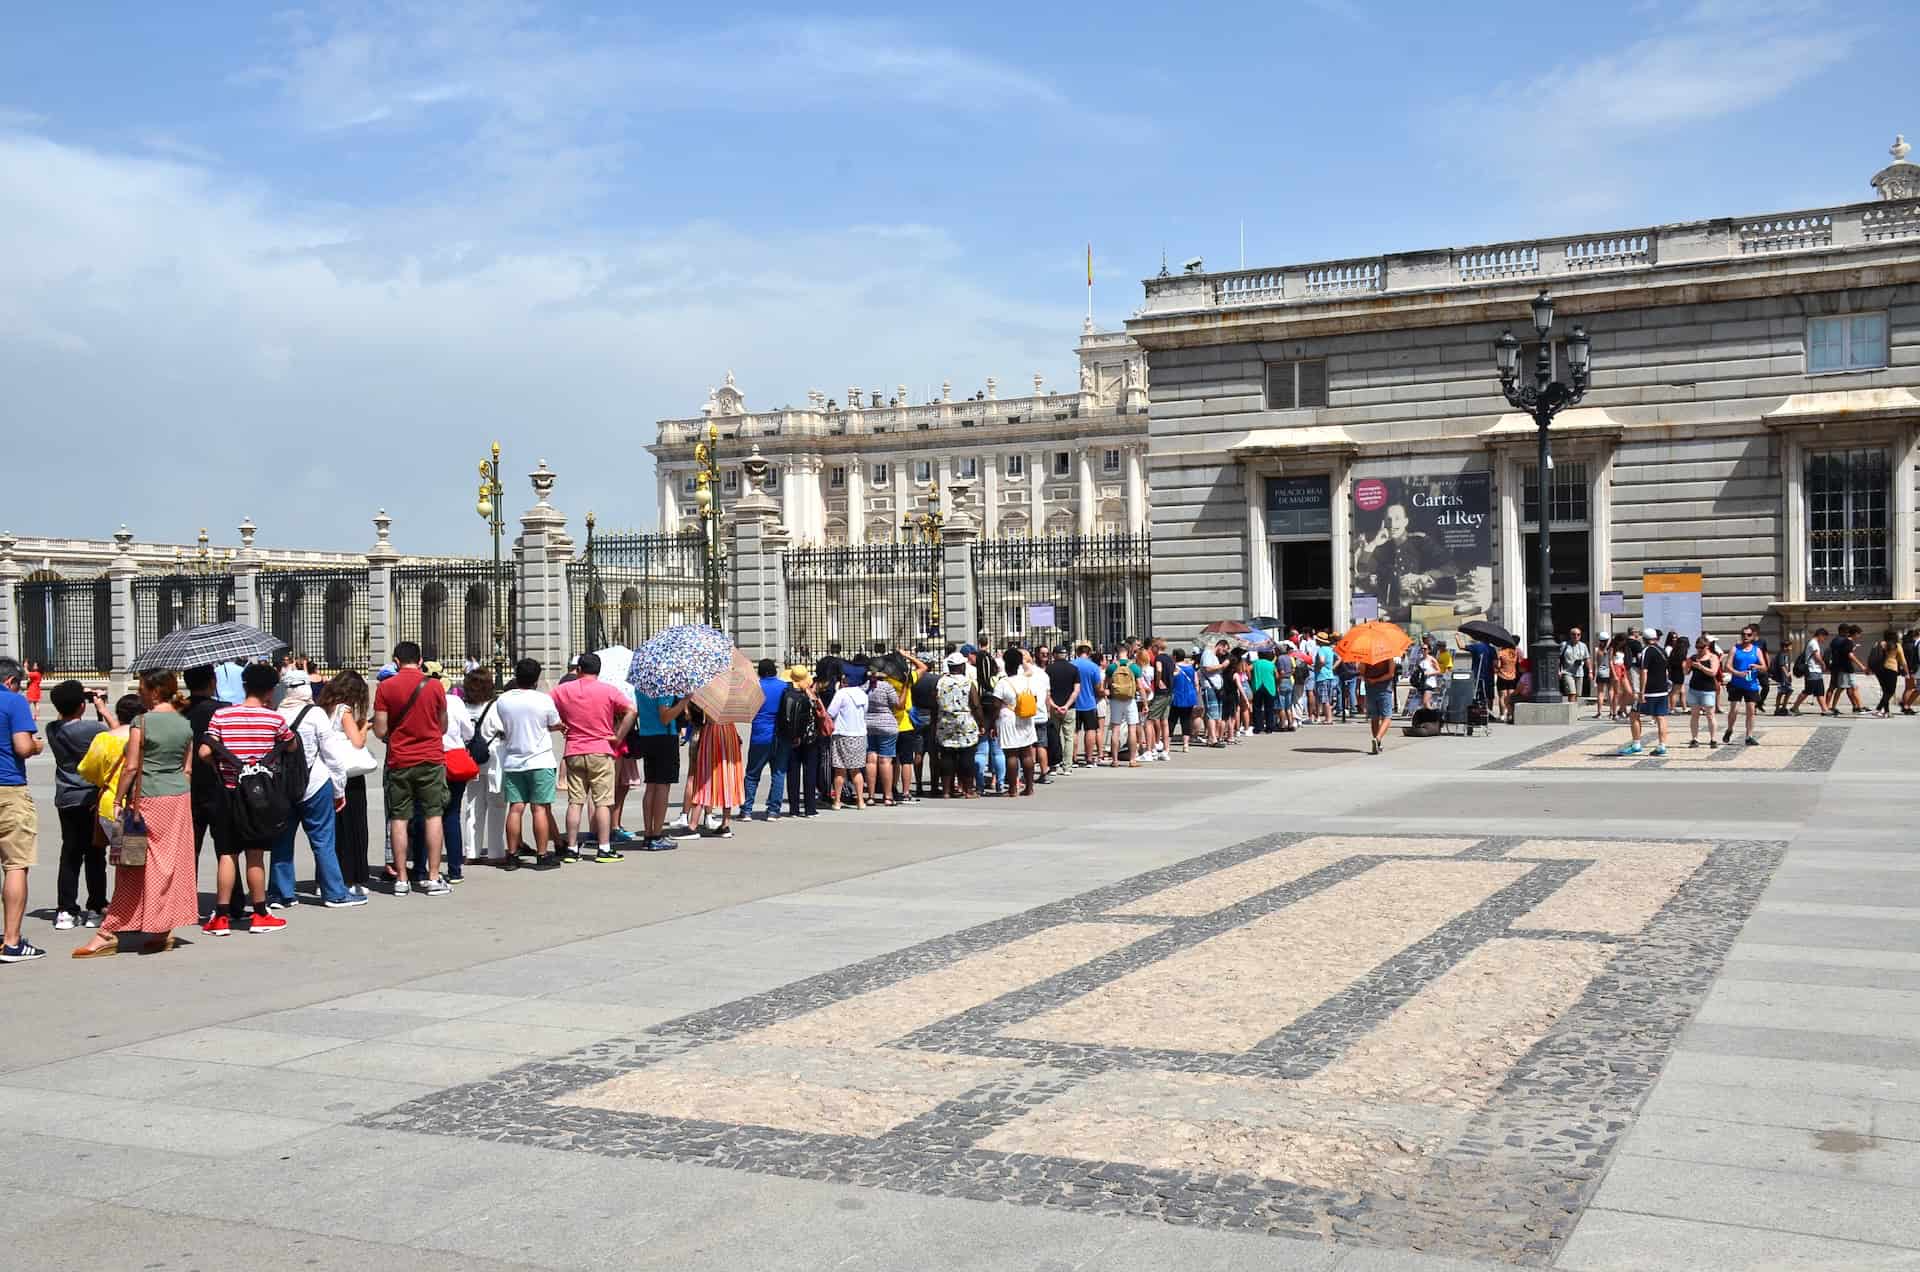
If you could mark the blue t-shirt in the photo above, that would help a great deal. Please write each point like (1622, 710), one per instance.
(1186, 694)
(1090, 678)
(1744, 663)
(773, 688)
(647, 722)
(1323, 663)
(15, 717)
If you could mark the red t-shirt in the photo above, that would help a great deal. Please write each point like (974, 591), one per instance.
(589, 708)
(249, 732)
(417, 738)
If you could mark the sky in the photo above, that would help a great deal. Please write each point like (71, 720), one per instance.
(297, 265)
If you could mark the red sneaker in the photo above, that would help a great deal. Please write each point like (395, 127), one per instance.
(267, 923)
(217, 925)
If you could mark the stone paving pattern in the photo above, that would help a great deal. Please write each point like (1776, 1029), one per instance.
(1427, 1042)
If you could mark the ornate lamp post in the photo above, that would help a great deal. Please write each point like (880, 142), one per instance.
(1545, 398)
(927, 525)
(487, 504)
(706, 457)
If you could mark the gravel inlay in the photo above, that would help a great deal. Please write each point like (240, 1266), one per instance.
(1394, 1046)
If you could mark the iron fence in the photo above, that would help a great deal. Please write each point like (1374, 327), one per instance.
(319, 612)
(871, 597)
(165, 603)
(447, 607)
(66, 625)
(1056, 589)
(625, 587)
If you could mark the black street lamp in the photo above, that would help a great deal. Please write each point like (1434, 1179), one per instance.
(1545, 398)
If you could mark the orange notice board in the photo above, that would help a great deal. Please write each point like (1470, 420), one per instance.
(1671, 599)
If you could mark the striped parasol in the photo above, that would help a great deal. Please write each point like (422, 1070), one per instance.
(679, 660)
(206, 645)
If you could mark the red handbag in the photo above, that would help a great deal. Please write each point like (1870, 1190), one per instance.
(460, 765)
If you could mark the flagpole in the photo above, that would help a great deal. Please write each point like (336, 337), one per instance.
(1089, 284)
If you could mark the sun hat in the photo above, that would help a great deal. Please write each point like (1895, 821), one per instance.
(956, 660)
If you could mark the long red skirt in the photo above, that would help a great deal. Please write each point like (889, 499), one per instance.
(163, 894)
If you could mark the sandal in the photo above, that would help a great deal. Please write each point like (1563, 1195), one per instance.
(108, 950)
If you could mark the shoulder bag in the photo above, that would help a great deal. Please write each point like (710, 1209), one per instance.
(128, 846)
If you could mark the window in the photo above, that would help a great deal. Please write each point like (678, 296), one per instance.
(1016, 465)
(1063, 463)
(1110, 461)
(966, 468)
(730, 480)
(1296, 385)
(1847, 525)
(1013, 419)
(772, 483)
(837, 477)
(1851, 342)
(923, 470)
(1568, 493)
(689, 485)
(966, 423)
(882, 474)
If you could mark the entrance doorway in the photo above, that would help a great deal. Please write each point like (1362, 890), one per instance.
(1572, 591)
(1303, 583)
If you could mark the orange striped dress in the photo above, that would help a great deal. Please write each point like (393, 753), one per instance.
(163, 894)
(719, 772)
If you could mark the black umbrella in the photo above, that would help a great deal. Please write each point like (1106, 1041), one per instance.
(1491, 632)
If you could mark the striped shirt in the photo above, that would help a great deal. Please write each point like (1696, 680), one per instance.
(247, 731)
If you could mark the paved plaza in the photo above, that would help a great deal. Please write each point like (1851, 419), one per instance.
(1492, 1000)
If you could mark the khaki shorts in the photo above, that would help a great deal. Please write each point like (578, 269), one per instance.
(420, 789)
(19, 829)
(590, 780)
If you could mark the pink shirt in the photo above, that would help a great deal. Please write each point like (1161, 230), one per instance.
(589, 708)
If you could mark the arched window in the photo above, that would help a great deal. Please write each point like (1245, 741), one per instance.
(836, 534)
(1013, 525)
(289, 598)
(596, 618)
(630, 618)
(103, 623)
(479, 642)
(336, 637)
(433, 618)
(228, 612)
(1060, 522)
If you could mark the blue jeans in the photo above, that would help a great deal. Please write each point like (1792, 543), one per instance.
(316, 817)
(989, 750)
(453, 853)
(759, 756)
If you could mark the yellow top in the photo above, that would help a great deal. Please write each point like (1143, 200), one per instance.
(101, 766)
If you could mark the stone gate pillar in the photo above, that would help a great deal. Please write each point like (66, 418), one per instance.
(10, 576)
(540, 567)
(958, 594)
(381, 559)
(246, 578)
(759, 595)
(121, 575)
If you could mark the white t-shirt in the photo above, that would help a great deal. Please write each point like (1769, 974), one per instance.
(522, 719)
(848, 711)
(459, 724)
(1016, 733)
(1210, 664)
(1143, 689)
(313, 732)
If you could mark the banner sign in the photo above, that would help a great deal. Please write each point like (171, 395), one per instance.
(1039, 616)
(1299, 506)
(1672, 599)
(1423, 546)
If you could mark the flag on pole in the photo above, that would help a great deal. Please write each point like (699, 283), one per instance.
(1089, 264)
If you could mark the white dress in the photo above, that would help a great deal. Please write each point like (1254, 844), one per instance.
(483, 813)
(1015, 733)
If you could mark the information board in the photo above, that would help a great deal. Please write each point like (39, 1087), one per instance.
(1299, 506)
(1672, 599)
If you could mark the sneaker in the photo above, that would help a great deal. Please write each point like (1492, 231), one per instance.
(1694, 743)
(680, 826)
(1659, 750)
(217, 925)
(435, 888)
(606, 853)
(64, 922)
(1727, 736)
(660, 844)
(1752, 741)
(1631, 748)
(263, 923)
(456, 878)
(25, 952)
(401, 887)
(621, 835)
(548, 862)
(280, 905)
(525, 853)
(91, 918)
(359, 890)
(720, 832)
(568, 853)
(1713, 744)
(346, 902)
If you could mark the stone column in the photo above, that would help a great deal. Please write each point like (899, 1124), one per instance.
(381, 558)
(1037, 491)
(540, 564)
(990, 492)
(122, 573)
(958, 594)
(11, 574)
(856, 501)
(1089, 501)
(246, 578)
(759, 620)
(1136, 492)
(943, 474)
(902, 490)
(669, 501)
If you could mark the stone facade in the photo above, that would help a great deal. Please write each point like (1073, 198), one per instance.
(848, 469)
(1719, 431)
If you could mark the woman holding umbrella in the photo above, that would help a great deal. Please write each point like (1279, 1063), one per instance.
(1373, 646)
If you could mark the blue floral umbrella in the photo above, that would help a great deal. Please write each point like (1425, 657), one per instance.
(679, 660)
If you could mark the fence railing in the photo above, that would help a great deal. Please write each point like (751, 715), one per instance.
(321, 613)
(870, 597)
(447, 607)
(165, 603)
(66, 625)
(1061, 588)
(626, 587)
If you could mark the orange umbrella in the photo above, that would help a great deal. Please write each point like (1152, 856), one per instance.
(1372, 642)
(734, 695)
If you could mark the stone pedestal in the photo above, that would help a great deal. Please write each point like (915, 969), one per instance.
(1554, 713)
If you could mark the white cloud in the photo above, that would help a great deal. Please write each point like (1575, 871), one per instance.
(218, 352)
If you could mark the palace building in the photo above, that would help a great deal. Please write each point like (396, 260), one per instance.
(1331, 439)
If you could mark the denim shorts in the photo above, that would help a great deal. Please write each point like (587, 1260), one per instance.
(1652, 706)
(883, 744)
(1704, 698)
(1380, 701)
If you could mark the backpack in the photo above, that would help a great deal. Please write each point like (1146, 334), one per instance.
(1121, 684)
(1425, 724)
(477, 746)
(1417, 678)
(268, 790)
(1800, 663)
(1025, 705)
(1301, 671)
(1878, 658)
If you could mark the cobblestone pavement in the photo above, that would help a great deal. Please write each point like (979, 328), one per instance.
(1429, 1042)
(1790, 747)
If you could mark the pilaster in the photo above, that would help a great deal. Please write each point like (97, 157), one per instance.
(121, 575)
(381, 558)
(1089, 499)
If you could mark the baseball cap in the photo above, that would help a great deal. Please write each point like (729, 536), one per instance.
(957, 659)
(968, 649)
(1649, 632)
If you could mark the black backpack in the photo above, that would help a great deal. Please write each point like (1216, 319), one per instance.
(264, 798)
(477, 746)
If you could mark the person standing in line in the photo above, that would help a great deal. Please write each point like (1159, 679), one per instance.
(160, 894)
(883, 738)
(848, 743)
(525, 720)
(1811, 667)
(1086, 703)
(1843, 662)
(1265, 689)
(718, 778)
(923, 696)
(957, 724)
(1063, 694)
(1574, 655)
(461, 772)
(1326, 680)
(238, 735)
(1653, 690)
(1888, 662)
(1021, 691)
(483, 810)
(1781, 671)
(76, 802)
(595, 717)
(656, 739)
(1043, 722)
(202, 701)
(1702, 668)
(764, 747)
(1379, 679)
(1744, 668)
(1123, 710)
(410, 715)
(325, 797)
(1283, 688)
(19, 820)
(799, 726)
(345, 700)
(1185, 695)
